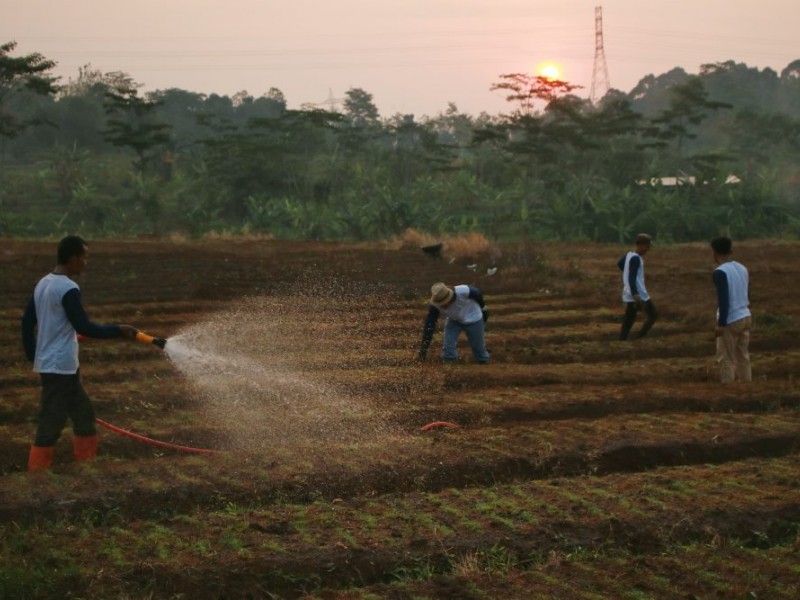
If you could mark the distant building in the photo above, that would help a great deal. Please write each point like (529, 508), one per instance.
(679, 180)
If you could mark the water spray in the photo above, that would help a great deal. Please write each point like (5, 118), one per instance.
(161, 343)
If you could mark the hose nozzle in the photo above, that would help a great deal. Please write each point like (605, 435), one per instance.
(149, 339)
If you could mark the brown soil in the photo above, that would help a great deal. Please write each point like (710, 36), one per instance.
(583, 467)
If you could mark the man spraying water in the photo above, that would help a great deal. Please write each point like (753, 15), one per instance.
(53, 319)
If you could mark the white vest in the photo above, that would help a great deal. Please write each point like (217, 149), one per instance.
(627, 294)
(738, 283)
(56, 341)
(464, 309)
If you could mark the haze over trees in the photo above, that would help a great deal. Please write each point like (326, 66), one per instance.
(684, 156)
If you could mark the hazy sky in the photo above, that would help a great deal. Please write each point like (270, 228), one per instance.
(414, 56)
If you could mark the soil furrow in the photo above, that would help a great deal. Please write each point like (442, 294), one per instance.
(334, 482)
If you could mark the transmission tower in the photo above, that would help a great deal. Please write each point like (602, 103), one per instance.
(331, 102)
(600, 83)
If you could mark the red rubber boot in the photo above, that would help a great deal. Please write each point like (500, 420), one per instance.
(84, 447)
(40, 457)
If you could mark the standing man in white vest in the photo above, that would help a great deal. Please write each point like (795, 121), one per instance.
(634, 292)
(732, 282)
(53, 317)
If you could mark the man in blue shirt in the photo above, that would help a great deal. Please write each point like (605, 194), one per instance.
(634, 292)
(53, 318)
(732, 282)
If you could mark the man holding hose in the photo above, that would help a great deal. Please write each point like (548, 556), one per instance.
(52, 318)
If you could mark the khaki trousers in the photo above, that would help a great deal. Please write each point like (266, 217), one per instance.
(732, 353)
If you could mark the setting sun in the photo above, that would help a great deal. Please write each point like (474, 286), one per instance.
(550, 71)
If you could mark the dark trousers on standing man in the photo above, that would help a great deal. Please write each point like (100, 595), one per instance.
(631, 309)
(63, 398)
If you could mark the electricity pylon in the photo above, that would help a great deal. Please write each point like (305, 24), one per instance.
(331, 102)
(600, 83)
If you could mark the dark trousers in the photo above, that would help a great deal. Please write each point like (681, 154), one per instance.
(631, 308)
(63, 397)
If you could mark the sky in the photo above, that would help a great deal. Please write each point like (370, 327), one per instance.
(413, 56)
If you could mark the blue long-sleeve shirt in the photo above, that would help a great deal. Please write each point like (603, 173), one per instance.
(73, 307)
(723, 297)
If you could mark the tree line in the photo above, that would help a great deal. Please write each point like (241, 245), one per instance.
(685, 157)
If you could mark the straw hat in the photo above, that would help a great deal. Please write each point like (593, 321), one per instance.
(441, 294)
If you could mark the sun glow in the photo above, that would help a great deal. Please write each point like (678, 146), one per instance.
(550, 71)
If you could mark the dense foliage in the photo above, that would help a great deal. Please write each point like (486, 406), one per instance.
(682, 156)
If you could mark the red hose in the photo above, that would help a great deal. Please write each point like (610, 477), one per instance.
(435, 424)
(146, 440)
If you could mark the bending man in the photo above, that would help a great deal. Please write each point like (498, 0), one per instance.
(465, 310)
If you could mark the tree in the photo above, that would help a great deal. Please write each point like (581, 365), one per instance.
(93, 82)
(762, 140)
(181, 109)
(131, 123)
(18, 75)
(688, 107)
(79, 109)
(615, 129)
(359, 109)
(651, 94)
(276, 95)
(269, 157)
(453, 127)
(360, 127)
(525, 89)
(746, 87)
(789, 96)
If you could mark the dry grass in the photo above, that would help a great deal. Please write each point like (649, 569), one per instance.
(469, 245)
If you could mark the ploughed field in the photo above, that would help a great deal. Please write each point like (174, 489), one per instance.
(583, 467)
